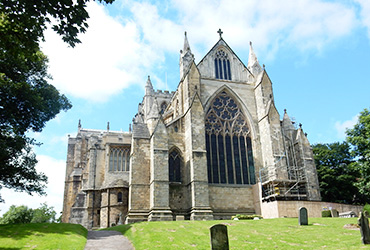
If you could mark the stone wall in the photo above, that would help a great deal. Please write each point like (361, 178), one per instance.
(279, 209)
(227, 201)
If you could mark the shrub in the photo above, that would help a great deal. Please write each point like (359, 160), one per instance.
(326, 213)
(367, 208)
(17, 215)
(246, 216)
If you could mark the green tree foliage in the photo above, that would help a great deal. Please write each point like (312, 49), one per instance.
(27, 101)
(22, 215)
(359, 138)
(337, 172)
(17, 215)
(43, 214)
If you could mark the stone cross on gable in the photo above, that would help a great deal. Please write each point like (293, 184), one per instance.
(220, 32)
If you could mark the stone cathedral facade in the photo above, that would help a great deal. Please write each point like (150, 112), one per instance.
(213, 148)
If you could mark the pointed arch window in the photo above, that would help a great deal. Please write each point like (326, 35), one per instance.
(119, 158)
(228, 143)
(174, 163)
(222, 65)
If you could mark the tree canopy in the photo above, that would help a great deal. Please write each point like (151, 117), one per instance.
(344, 168)
(27, 100)
(22, 215)
(359, 138)
(336, 172)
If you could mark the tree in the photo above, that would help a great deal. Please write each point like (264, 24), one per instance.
(22, 215)
(17, 215)
(27, 101)
(337, 172)
(43, 214)
(359, 138)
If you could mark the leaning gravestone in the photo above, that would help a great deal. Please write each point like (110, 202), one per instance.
(303, 216)
(363, 222)
(219, 238)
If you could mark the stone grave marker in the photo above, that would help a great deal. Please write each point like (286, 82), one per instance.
(219, 237)
(363, 222)
(334, 213)
(302, 216)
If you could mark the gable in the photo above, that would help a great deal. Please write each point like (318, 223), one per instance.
(234, 70)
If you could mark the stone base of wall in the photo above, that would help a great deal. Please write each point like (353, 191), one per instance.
(280, 209)
(136, 216)
(160, 215)
(201, 214)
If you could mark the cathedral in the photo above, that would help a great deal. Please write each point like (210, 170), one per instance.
(213, 148)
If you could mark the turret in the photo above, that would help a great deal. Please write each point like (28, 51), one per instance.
(186, 58)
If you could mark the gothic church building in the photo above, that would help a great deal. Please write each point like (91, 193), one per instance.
(214, 148)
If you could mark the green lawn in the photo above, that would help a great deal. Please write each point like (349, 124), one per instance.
(283, 233)
(42, 236)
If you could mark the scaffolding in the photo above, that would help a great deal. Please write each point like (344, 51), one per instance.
(286, 178)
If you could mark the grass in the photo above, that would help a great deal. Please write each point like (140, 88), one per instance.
(42, 236)
(283, 233)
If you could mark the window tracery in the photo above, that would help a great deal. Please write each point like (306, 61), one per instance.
(119, 158)
(174, 163)
(222, 65)
(228, 143)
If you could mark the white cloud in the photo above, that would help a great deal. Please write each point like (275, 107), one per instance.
(55, 170)
(118, 52)
(341, 127)
(110, 58)
(365, 14)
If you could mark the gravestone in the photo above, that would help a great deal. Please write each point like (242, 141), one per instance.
(363, 222)
(219, 237)
(302, 216)
(334, 213)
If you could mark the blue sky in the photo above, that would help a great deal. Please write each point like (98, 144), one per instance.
(317, 54)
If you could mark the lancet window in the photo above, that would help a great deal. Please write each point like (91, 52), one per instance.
(119, 197)
(174, 163)
(222, 65)
(119, 158)
(228, 143)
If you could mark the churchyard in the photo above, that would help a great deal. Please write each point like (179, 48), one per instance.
(282, 233)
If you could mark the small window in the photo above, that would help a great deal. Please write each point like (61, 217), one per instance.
(119, 158)
(163, 107)
(119, 197)
(222, 66)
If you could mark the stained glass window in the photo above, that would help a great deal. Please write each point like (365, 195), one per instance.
(222, 65)
(174, 163)
(119, 158)
(228, 143)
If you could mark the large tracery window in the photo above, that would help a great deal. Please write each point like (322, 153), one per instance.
(119, 158)
(228, 142)
(174, 163)
(222, 66)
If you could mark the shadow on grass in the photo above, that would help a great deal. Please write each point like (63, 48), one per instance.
(19, 231)
(121, 228)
